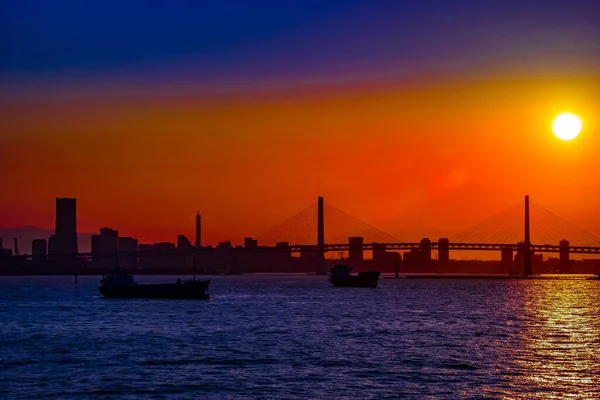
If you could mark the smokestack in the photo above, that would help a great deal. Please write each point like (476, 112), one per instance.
(1, 244)
(16, 246)
(198, 230)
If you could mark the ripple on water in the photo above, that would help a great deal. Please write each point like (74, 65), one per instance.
(287, 337)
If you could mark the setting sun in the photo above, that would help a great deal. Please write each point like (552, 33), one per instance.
(567, 126)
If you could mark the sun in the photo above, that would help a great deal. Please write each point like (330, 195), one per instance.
(566, 126)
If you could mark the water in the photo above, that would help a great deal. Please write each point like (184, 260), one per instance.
(292, 336)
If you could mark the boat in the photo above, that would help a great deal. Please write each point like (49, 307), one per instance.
(341, 275)
(120, 284)
(596, 277)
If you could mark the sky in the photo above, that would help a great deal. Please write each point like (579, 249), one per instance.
(421, 117)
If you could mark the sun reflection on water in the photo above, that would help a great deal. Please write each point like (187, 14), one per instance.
(560, 354)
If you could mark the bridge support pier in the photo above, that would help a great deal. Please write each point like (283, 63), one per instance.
(564, 254)
(426, 249)
(507, 259)
(444, 250)
(355, 249)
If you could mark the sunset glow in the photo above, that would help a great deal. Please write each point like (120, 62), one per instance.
(417, 143)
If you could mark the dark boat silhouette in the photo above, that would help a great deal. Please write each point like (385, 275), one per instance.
(341, 276)
(120, 284)
(596, 277)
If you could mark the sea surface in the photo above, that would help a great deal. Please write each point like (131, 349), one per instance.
(295, 336)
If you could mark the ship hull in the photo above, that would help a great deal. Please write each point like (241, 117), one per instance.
(363, 279)
(195, 290)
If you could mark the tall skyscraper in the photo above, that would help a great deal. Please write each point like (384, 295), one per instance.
(65, 233)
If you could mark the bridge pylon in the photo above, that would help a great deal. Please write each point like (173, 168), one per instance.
(527, 242)
(321, 236)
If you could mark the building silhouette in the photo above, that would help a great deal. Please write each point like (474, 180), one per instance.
(53, 247)
(249, 242)
(128, 248)
(64, 240)
(164, 246)
(38, 251)
(104, 248)
(145, 248)
(284, 252)
(183, 242)
(384, 260)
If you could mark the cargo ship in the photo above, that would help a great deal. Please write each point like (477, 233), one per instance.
(341, 275)
(596, 277)
(120, 284)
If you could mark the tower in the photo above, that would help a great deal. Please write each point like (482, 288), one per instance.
(320, 236)
(527, 242)
(198, 230)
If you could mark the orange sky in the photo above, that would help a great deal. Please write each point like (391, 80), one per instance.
(411, 158)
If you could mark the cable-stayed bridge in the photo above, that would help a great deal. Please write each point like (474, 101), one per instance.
(506, 228)
(507, 232)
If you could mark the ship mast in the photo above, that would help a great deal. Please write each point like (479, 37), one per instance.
(197, 243)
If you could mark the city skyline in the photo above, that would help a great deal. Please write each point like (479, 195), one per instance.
(499, 228)
(363, 246)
